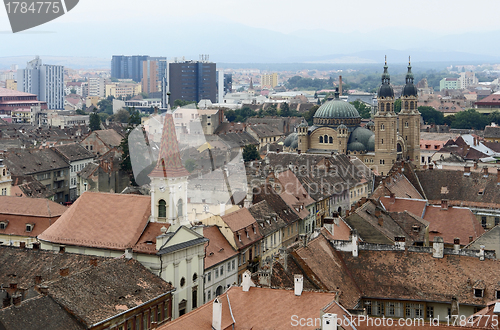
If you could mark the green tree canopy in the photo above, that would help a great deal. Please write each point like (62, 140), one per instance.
(80, 112)
(397, 106)
(250, 152)
(121, 116)
(470, 119)
(94, 122)
(431, 115)
(309, 115)
(363, 109)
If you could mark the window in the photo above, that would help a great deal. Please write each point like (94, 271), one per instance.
(233, 264)
(209, 276)
(145, 318)
(221, 270)
(166, 310)
(183, 282)
(162, 209)
(320, 139)
(195, 277)
(29, 227)
(138, 322)
(430, 312)
(3, 225)
(158, 314)
(497, 221)
(4, 191)
(497, 294)
(216, 271)
(483, 222)
(478, 293)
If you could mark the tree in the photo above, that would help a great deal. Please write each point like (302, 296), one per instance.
(73, 91)
(80, 112)
(190, 165)
(94, 122)
(470, 119)
(182, 103)
(122, 116)
(106, 105)
(397, 106)
(363, 109)
(250, 152)
(309, 115)
(230, 115)
(431, 115)
(134, 119)
(285, 110)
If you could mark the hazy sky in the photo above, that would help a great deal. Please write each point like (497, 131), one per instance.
(439, 16)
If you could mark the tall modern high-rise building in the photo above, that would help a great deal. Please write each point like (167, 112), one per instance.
(192, 81)
(131, 67)
(150, 76)
(46, 81)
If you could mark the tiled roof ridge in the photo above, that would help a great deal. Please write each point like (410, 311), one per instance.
(307, 272)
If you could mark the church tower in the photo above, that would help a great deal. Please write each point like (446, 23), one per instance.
(303, 144)
(385, 126)
(409, 119)
(169, 181)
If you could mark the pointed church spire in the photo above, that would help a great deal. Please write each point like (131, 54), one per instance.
(169, 160)
(251, 84)
(385, 89)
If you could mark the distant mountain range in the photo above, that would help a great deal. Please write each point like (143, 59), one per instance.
(238, 43)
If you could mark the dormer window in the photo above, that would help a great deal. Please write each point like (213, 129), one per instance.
(479, 293)
(239, 237)
(29, 227)
(3, 224)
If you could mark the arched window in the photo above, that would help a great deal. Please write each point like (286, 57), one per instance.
(387, 107)
(195, 277)
(320, 139)
(330, 139)
(179, 208)
(325, 138)
(406, 124)
(382, 141)
(382, 127)
(411, 105)
(162, 209)
(406, 104)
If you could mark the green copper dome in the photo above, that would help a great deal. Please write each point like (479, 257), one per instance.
(361, 139)
(336, 109)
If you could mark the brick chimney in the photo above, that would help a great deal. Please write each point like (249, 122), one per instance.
(380, 220)
(456, 244)
(22, 245)
(485, 171)
(17, 299)
(377, 212)
(93, 261)
(392, 198)
(298, 281)
(64, 271)
(466, 169)
(444, 204)
(36, 246)
(217, 314)
(38, 279)
(347, 212)
(438, 247)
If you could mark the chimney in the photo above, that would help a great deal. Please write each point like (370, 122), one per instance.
(43, 289)
(36, 246)
(329, 322)
(62, 249)
(400, 241)
(340, 85)
(353, 207)
(498, 175)
(13, 286)
(246, 282)
(438, 247)
(456, 244)
(444, 204)
(467, 169)
(16, 300)
(217, 314)
(431, 166)
(363, 200)
(380, 220)
(347, 213)
(475, 165)
(298, 151)
(128, 253)
(377, 212)
(22, 245)
(93, 261)
(481, 253)
(392, 198)
(38, 279)
(64, 271)
(298, 284)
(485, 171)
(354, 240)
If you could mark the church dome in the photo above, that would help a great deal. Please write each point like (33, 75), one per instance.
(385, 89)
(410, 89)
(337, 109)
(361, 139)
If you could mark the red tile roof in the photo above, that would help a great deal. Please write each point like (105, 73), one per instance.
(259, 308)
(414, 206)
(217, 249)
(36, 207)
(244, 226)
(102, 220)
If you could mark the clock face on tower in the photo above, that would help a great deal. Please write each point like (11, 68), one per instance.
(162, 188)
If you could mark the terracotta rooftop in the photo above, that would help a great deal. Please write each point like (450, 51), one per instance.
(35, 207)
(292, 186)
(102, 220)
(10, 92)
(248, 309)
(217, 249)
(244, 227)
(414, 206)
